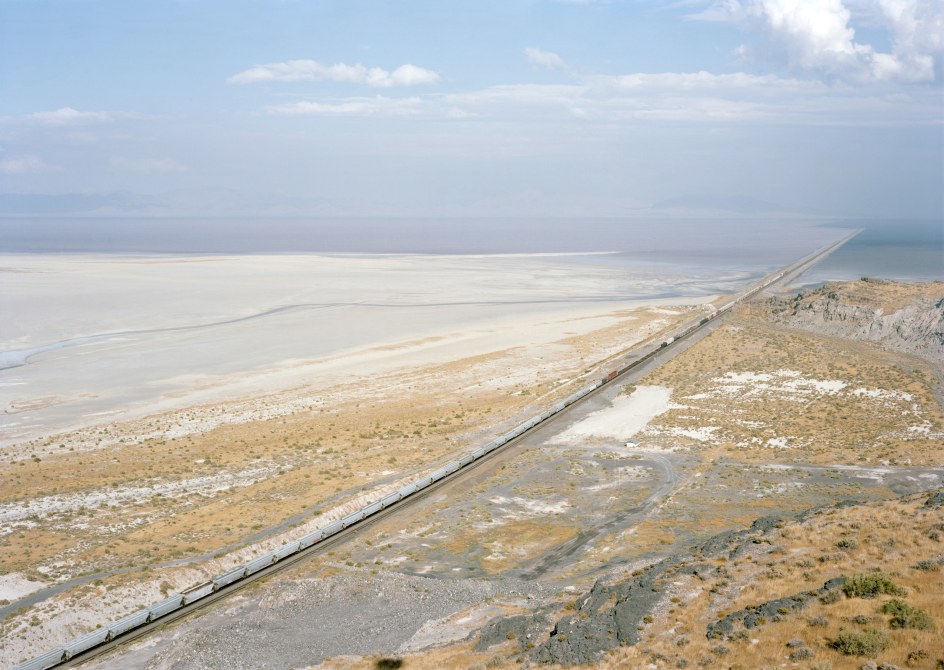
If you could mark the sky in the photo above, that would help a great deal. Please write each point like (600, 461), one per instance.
(525, 108)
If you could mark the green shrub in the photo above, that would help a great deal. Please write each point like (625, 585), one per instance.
(928, 565)
(869, 586)
(869, 642)
(830, 597)
(906, 616)
(895, 606)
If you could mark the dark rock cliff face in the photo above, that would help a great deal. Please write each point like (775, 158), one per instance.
(917, 328)
(610, 615)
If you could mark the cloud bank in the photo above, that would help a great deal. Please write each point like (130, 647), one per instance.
(310, 70)
(22, 164)
(546, 59)
(817, 35)
(67, 116)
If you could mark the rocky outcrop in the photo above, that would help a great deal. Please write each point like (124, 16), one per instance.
(772, 610)
(611, 615)
(855, 310)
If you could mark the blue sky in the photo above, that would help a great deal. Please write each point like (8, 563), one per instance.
(440, 108)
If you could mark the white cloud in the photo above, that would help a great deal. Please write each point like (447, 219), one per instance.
(681, 82)
(546, 59)
(697, 97)
(162, 165)
(22, 164)
(686, 97)
(376, 106)
(309, 70)
(65, 116)
(817, 35)
(917, 28)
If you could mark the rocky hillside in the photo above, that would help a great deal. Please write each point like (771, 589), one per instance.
(902, 317)
(844, 587)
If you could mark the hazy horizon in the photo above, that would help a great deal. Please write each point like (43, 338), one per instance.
(590, 108)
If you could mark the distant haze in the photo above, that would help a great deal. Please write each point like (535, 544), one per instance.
(747, 241)
(338, 108)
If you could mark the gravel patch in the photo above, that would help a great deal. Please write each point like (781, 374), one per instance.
(301, 622)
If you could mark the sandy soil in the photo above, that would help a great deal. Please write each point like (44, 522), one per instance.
(624, 418)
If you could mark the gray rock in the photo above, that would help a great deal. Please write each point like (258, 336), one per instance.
(522, 628)
(917, 328)
(757, 615)
(935, 500)
(611, 615)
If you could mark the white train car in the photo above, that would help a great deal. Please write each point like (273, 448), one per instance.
(125, 624)
(286, 550)
(86, 642)
(310, 539)
(167, 606)
(386, 501)
(44, 661)
(198, 592)
(229, 577)
(255, 565)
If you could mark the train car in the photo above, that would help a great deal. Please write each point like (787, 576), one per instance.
(388, 500)
(610, 377)
(285, 550)
(465, 460)
(198, 592)
(409, 489)
(332, 528)
(424, 482)
(257, 564)
(310, 539)
(352, 518)
(438, 474)
(86, 642)
(481, 451)
(453, 467)
(44, 661)
(229, 577)
(372, 508)
(125, 624)
(167, 606)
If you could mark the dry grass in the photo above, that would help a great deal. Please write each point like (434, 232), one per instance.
(869, 420)
(892, 537)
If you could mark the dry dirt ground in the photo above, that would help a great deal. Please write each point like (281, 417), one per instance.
(751, 420)
(100, 522)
